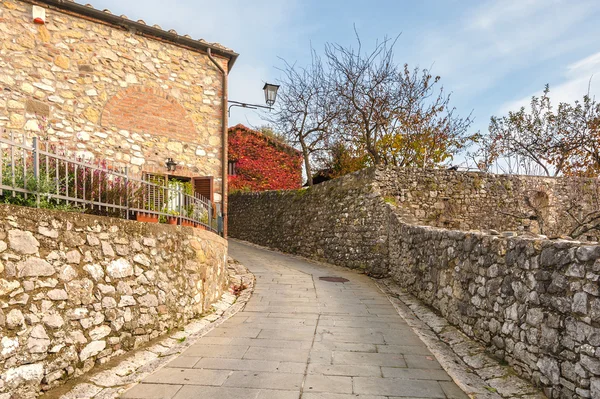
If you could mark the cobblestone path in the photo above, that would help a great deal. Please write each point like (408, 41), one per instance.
(303, 337)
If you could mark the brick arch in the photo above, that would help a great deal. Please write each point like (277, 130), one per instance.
(147, 110)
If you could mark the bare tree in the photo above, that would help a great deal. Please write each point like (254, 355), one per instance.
(396, 114)
(583, 208)
(305, 111)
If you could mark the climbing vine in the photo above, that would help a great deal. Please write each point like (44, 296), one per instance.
(261, 163)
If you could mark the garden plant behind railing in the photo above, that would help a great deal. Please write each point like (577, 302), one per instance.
(42, 175)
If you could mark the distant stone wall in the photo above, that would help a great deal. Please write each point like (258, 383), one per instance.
(340, 222)
(484, 201)
(533, 302)
(110, 94)
(76, 290)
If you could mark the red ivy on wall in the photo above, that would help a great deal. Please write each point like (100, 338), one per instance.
(261, 162)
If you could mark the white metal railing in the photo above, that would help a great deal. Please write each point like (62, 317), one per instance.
(39, 174)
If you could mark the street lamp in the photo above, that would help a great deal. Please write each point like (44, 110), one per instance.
(270, 93)
(270, 97)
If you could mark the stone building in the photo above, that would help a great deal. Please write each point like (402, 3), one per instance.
(109, 88)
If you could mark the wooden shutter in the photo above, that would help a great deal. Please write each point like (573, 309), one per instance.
(204, 186)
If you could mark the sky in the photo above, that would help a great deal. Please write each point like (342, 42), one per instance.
(491, 55)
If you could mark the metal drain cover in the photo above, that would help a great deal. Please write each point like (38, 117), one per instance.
(334, 279)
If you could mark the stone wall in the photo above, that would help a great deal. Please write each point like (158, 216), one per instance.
(76, 290)
(109, 93)
(483, 201)
(333, 222)
(532, 301)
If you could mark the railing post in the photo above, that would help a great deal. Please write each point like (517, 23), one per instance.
(36, 170)
(219, 220)
(127, 191)
(209, 215)
(180, 200)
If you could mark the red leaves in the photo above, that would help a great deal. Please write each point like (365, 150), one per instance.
(262, 164)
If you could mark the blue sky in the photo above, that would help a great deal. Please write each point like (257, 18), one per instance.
(492, 55)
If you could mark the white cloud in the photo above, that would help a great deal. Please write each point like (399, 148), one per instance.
(580, 78)
(482, 46)
(489, 16)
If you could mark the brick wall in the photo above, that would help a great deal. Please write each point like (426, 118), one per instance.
(144, 109)
(109, 93)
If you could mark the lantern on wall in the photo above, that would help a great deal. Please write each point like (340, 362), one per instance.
(171, 165)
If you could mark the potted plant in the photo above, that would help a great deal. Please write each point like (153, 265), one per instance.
(172, 217)
(146, 217)
(189, 214)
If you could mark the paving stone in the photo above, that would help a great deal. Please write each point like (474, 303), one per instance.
(271, 343)
(291, 335)
(404, 349)
(421, 362)
(277, 394)
(346, 346)
(288, 355)
(345, 370)
(328, 383)
(188, 376)
(375, 359)
(234, 332)
(237, 364)
(152, 391)
(183, 362)
(197, 392)
(264, 380)
(397, 387)
(324, 395)
(415, 374)
(230, 352)
(291, 367)
(216, 341)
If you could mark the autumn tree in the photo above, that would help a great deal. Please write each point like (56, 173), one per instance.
(546, 139)
(341, 159)
(399, 116)
(305, 109)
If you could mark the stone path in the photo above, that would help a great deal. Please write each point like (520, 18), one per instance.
(302, 337)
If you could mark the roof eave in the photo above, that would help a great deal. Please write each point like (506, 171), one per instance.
(139, 27)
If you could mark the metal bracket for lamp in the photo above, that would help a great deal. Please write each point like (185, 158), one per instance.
(270, 97)
(244, 105)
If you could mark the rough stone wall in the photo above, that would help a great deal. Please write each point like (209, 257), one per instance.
(533, 302)
(76, 290)
(482, 201)
(99, 88)
(340, 222)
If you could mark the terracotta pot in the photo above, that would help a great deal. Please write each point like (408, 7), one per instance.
(146, 217)
(187, 223)
(171, 220)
